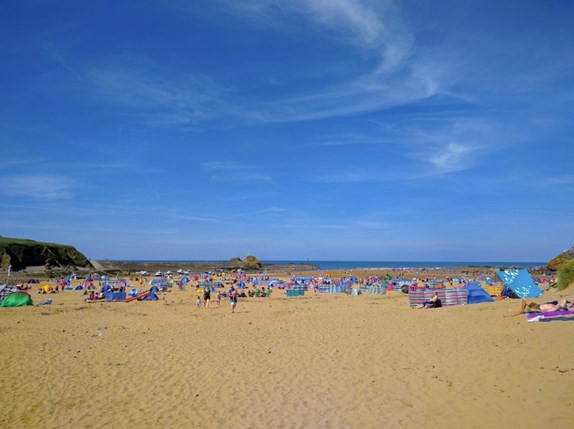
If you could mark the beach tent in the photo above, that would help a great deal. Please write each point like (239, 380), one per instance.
(47, 288)
(151, 297)
(106, 288)
(476, 294)
(519, 283)
(16, 299)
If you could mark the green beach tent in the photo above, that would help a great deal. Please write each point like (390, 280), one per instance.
(16, 299)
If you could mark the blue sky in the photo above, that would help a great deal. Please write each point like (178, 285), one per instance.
(300, 129)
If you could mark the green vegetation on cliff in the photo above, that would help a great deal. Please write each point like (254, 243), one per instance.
(566, 275)
(22, 253)
(561, 260)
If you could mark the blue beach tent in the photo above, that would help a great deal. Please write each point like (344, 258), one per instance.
(476, 294)
(519, 283)
(151, 297)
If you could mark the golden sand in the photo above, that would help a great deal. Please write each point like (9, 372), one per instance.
(319, 361)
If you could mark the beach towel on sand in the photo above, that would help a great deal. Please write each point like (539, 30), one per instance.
(551, 315)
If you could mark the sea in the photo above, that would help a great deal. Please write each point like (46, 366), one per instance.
(378, 265)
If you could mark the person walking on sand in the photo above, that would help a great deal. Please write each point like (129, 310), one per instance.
(218, 298)
(233, 298)
(206, 296)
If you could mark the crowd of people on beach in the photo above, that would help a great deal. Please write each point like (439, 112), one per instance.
(232, 287)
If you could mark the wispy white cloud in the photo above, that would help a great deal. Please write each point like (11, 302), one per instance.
(257, 212)
(236, 172)
(161, 97)
(372, 25)
(38, 187)
(375, 30)
(356, 176)
(196, 218)
(19, 162)
(567, 179)
(451, 157)
(348, 140)
(225, 166)
(53, 52)
(352, 225)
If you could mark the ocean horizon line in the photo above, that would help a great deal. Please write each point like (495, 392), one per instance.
(341, 264)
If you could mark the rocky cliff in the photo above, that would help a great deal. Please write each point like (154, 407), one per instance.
(20, 253)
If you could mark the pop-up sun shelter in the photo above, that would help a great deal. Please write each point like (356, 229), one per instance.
(477, 294)
(519, 283)
(16, 299)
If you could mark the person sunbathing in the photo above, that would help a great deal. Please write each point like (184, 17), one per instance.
(434, 302)
(527, 306)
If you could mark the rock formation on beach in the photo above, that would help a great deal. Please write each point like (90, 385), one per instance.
(248, 264)
(22, 253)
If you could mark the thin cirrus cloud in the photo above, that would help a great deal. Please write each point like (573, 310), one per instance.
(233, 171)
(162, 99)
(38, 187)
(561, 180)
(450, 157)
(376, 26)
(357, 176)
(372, 28)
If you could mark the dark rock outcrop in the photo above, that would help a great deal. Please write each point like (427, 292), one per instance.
(20, 253)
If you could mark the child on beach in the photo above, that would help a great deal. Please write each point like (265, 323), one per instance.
(198, 302)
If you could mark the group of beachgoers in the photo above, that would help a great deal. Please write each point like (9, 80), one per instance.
(232, 294)
(234, 287)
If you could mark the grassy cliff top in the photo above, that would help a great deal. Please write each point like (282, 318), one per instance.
(5, 241)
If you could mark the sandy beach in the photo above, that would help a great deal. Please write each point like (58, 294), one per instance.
(319, 361)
